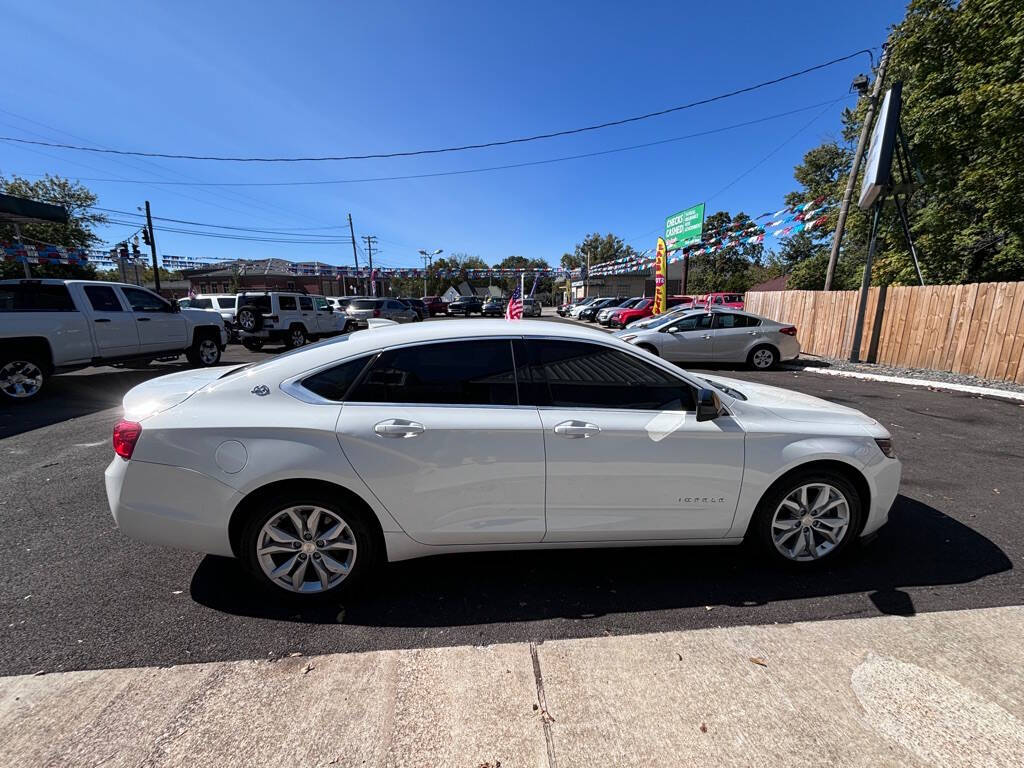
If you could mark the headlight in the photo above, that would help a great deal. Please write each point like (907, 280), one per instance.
(628, 337)
(885, 446)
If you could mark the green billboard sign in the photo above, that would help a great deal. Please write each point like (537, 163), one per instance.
(684, 228)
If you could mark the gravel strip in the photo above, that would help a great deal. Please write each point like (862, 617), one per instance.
(923, 374)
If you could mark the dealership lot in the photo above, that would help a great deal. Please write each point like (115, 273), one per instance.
(80, 595)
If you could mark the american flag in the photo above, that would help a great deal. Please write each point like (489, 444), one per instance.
(514, 310)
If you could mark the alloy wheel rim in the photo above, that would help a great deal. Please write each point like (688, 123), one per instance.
(208, 351)
(810, 522)
(306, 549)
(20, 378)
(298, 339)
(247, 320)
(763, 358)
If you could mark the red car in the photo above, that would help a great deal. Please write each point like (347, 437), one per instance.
(435, 305)
(623, 317)
(720, 299)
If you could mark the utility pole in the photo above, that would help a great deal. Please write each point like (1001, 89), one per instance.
(428, 259)
(370, 240)
(355, 253)
(865, 131)
(152, 247)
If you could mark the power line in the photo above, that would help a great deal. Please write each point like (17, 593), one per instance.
(223, 226)
(462, 148)
(465, 171)
(224, 236)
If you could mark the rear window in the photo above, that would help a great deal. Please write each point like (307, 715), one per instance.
(260, 301)
(35, 297)
(287, 303)
(364, 304)
(228, 303)
(201, 304)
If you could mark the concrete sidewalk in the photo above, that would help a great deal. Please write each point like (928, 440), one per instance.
(937, 689)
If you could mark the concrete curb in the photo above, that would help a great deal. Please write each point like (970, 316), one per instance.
(968, 388)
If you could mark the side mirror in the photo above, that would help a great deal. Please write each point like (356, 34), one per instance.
(670, 329)
(330, 307)
(175, 306)
(709, 407)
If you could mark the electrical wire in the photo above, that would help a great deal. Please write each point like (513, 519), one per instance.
(334, 238)
(465, 171)
(224, 236)
(462, 148)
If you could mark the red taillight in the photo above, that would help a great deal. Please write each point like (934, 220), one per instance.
(126, 434)
(789, 330)
(376, 313)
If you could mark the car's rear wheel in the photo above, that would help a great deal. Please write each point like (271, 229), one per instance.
(252, 343)
(809, 518)
(296, 337)
(308, 547)
(21, 378)
(763, 357)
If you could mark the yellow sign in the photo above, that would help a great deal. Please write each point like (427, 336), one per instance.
(660, 278)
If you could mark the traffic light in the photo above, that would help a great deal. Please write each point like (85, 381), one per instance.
(145, 236)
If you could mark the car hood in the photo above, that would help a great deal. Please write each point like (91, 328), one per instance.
(165, 392)
(795, 406)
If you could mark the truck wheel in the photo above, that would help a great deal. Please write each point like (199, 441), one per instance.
(21, 378)
(249, 318)
(296, 337)
(252, 343)
(204, 352)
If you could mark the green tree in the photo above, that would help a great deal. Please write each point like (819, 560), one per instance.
(600, 248)
(727, 269)
(961, 66)
(521, 262)
(77, 233)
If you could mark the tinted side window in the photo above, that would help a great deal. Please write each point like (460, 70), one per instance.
(581, 375)
(334, 383)
(260, 301)
(201, 303)
(395, 305)
(144, 301)
(305, 303)
(694, 322)
(286, 302)
(226, 303)
(453, 373)
(103, 298)
(728, 320)
(320, 304)
(35, 297)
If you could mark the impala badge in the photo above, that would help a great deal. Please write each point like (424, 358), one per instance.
(261, 390)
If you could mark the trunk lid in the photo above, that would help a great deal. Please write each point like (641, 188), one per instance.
(165, 392)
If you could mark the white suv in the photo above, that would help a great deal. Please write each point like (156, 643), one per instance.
(286, 316)
(226, 304)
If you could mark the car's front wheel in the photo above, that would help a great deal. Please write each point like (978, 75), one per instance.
(21, 377)
(204, 352)
(808, 518)
(309, 547)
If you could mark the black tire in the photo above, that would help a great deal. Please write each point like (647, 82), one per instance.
(366, 558)
(205, 350)
(296, 337)
(249, 318)
(759, 360)
(22, 377)
(252, 343)
(760, 531)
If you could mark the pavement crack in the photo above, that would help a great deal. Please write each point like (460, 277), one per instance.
(545, 718)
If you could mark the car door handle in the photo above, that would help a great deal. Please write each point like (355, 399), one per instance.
(142, 319)
(751, 333)
(102, 320)
(707, 336)
(576, 429)
(398, 428)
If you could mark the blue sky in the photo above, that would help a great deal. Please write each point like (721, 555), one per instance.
(314, 78)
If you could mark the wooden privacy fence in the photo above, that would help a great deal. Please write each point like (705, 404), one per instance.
(976, 329)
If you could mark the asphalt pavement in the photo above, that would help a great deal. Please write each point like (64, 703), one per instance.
(77, 594)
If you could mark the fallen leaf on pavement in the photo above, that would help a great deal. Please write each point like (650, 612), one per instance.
(679, 656)
(703, 727)
(759, 661)
(297, 653)
(307, 669)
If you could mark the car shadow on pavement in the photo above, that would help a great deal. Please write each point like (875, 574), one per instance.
(919, 547)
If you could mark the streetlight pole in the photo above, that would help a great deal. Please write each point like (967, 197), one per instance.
(428, 258)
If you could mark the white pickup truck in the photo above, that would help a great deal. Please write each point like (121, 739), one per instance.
(49, 326)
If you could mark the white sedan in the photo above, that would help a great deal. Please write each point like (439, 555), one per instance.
(715, 336)
(314, 466)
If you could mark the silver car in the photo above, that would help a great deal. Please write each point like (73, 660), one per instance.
(717, 336)
(531, 308)
(362, 310)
